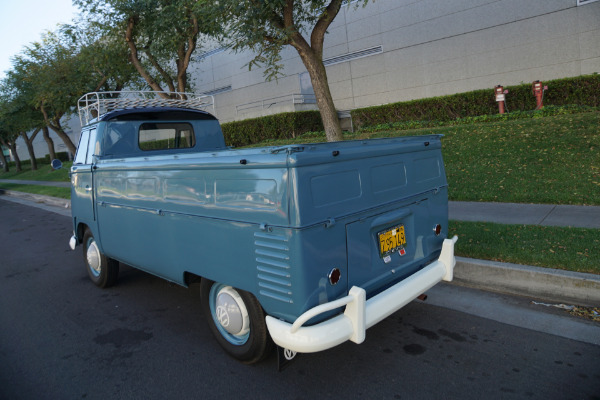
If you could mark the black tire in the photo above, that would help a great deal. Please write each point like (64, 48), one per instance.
(102, 270)
(250, 347)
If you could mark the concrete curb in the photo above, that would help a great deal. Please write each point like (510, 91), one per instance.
(38, 198)
(556, 286)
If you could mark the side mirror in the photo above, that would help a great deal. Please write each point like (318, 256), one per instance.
(56, 164)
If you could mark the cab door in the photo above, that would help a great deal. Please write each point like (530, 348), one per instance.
(82, 180)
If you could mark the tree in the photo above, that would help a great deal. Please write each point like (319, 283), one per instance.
(5, 137)
(8, 140)
(55, 72)
(11, 142)
(2, 157)
(49, 142)
(103, 56)
(18, 116)
(29, 144)
(161, 36)
(50, 68)
(266, 26)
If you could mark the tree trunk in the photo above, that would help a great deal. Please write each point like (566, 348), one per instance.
(312, 58)
(29, 144)
(56, 127)
(13, 150)
(185, 55)
(65, 138)
(4, 161)
(137, 64)
(49, 142)
(318, 78)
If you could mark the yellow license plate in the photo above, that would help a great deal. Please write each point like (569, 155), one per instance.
(391, 240)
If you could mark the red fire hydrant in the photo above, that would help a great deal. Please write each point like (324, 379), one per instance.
(500, 98)
(538, 90)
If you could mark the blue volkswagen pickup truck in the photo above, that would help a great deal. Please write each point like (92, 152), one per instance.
(302, 246)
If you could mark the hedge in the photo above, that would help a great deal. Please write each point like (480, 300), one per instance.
(277, 126)
(546, 111)
(581, 90)
(61, 155)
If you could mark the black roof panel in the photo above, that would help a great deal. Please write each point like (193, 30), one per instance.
(156, 114)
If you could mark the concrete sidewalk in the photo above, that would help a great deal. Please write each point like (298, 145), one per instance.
(39, 183)
(551, 285)
(526, 214)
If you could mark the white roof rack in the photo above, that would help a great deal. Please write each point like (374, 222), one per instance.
(95, 104)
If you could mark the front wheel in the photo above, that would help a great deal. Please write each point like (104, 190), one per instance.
(102, 270)
(237, 320)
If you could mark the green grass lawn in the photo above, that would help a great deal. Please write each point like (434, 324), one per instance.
(573, 249)
(549, 160)
(553, 160)
(43, 173)
(63, 193)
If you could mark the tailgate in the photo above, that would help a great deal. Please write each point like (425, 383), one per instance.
(385, 248)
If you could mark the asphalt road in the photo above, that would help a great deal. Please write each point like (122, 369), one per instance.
(63, 338)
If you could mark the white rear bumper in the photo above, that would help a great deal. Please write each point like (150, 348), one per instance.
(359, 314)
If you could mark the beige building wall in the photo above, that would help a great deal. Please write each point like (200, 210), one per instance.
(418, 49)
(427, 48)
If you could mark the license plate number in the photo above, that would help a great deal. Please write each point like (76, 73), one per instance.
(391, 240)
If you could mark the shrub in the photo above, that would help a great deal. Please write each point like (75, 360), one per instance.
(278, 126)
(544, 112)
(581, 90)
(61, 155)
(477, 104)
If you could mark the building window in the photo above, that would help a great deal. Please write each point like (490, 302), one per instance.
(353, 56)
(218, 90)
(210, 53)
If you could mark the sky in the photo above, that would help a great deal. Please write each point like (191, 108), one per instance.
(23, 22)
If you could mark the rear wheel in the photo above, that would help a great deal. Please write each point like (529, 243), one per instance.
(237, 320)
(102, 270)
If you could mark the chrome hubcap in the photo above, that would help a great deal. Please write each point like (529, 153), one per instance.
(231, 313)
(93, 258)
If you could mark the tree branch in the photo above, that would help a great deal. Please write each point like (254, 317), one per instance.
(288, 14)
(184, 61)
(134, 57)
(317, 36)
(54, 124)
(166, 77)
(34, 134)
(101, 83)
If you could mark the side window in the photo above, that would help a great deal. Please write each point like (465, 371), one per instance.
(119, 138)
(83, 147)
(163, 136)
(92, 148)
